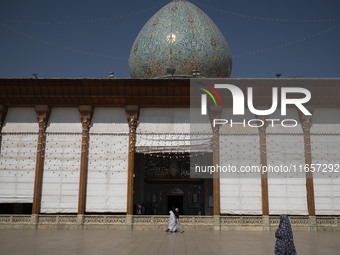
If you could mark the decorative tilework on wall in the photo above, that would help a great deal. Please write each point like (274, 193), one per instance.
(180, 36)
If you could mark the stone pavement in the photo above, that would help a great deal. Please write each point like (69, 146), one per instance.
(99, 242)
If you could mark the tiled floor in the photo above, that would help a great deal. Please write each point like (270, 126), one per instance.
(158, 242)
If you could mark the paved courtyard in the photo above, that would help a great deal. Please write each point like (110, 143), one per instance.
(159, 242)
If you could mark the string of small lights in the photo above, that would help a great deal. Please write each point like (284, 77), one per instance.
(92, 54)
(268, 19)
(116, 58)
(60, 46)
(288, 44)
(83, 21)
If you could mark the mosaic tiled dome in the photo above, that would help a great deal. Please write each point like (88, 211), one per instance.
(180, 36)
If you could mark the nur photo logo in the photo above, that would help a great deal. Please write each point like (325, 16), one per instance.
(238, 103)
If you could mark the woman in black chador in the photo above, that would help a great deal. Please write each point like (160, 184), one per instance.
(284, 238)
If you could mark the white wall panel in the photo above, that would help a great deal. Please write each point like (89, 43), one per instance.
(162, 130)
(20, 120)
(285, 149)
(18, 156)
(240, 193)
(161, 120)
(62, 162)
(107, 173)
(108, 161)
(327, 196)
(65, 120)
(326, 121)
(275, 127)
(287, 195)
(238, 124)
(109, 120)
(17, 167)
(325, 145)
(286, 191)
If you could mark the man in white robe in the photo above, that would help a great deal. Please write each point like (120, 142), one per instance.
(176, 226)
(172, 222)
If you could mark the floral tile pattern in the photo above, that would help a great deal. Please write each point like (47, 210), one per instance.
(180, 36)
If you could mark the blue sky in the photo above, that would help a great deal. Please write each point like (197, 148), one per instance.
(90, 38)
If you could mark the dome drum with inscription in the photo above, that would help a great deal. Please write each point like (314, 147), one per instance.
(177, 40)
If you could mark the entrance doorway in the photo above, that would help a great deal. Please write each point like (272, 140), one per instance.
(156, 186)
(175, 202)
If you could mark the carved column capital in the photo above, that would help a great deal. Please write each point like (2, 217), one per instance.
(132, 114)
(85, 115)
(132, 119)
(3, 112)
(262, 118)
(42, 114)
(306, 123)
(262, 133)
(306, 120)
(214, 113)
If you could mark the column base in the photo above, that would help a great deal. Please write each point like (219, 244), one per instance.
(312, 223)
(35, 220)
(217, 222)
(129, 221)
(80, 219)
(265, 222)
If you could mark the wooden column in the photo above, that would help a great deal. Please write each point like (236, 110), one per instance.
(215, 113)
(263, 161)
(85, 117)
(132, 113)
(42, 113)
(306, 124)
(3, 113)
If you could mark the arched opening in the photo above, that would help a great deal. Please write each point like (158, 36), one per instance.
(174, 198)
(163, 181)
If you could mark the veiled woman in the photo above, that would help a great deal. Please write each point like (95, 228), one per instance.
(284, 238)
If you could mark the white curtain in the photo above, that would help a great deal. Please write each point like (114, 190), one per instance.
(285, 147)
(108, 161)
(18, 156)
(240, 193)
(169, 130)
(62, 162)
(325, 144)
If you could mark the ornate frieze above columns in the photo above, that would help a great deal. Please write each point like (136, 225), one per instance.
(132, 114)
(42, 113)
(86, 112)
(215, 113)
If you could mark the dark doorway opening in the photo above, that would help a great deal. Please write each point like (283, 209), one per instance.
(16, 208)
(175, 202)
(159, 190)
